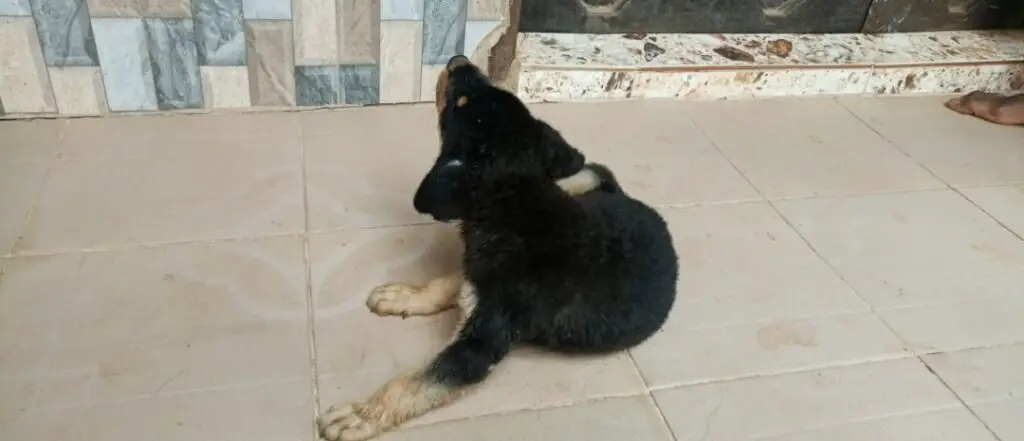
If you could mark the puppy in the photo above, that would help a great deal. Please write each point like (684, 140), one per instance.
(992, 107)
(593, 273)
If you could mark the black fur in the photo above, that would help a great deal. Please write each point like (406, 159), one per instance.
(594, 273)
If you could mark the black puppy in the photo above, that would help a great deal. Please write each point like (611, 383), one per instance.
(593, 273)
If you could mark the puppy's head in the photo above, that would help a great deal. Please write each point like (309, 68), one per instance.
(486, 133)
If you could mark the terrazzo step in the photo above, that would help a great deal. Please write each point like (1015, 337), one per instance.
(580, 67)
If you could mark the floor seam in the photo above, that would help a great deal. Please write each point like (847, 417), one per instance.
(650, 395)
(959, 398)
(314, 374)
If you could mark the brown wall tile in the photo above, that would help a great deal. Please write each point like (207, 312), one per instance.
(271, 61)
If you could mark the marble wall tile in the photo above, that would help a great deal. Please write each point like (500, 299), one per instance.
(64, 32)
(316, 32)
(127, 70)
(225, 87)
(488, 9)
(140, 8)
(267, 9)
(400, 49)
(428, 81)
(317, 85)
(444, 22)
(220, 35)
(271, 60)
(172, 50)
(360, 85)
(15, 8)
(78, 90)
(24, 87)
(476, 30)
(401, 9)
(358, 31)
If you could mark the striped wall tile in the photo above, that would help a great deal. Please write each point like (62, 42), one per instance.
(475, 32)
(121, 45)
(444, 24)
(271, 60)
(140, 8)
(360, 85)
(316, 32)
(172, 50)
(24, 83)
(358, 31)
(78, 90)
(64, 32)
(428, 80)
(267, 9)
(220, 33)
(225, 87)
(15, 8)
(401, 9)
(317, 85)
(400, 48)
(487, 9)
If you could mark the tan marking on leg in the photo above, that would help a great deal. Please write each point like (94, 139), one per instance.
(399, 400)
(582, 182)
(462, 101)
(405, 300)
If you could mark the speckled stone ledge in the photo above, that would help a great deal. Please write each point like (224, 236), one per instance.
(573, 67)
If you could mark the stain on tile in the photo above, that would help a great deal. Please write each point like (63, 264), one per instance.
(317, 85)
(360, 85)
(140, 8)
(444, 23)
(475, 33)
(220, 37)
(23, 83)
(78, 90)
(401, 9)
(267, 9)
(225, 87)
(487, 9)
(400, 46)
(358, 31)
(121, 45)
(15, 8)
(172, 50)
(269, 53)
(316, 32)
(64, 32)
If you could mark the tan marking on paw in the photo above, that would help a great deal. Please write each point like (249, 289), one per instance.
(399, 400)
(406, 300)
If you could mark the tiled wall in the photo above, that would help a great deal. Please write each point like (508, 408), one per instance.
(93, 57)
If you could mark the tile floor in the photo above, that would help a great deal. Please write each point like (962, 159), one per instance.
(852, 269)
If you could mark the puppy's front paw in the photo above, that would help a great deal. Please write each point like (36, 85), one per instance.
(343, 423)
(395, 299)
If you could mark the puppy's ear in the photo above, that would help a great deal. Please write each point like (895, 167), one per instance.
(561, 159)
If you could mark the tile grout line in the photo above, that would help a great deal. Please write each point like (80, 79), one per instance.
(959, 399)
(314, 374)
(804, 239)
(50, 163)
(650, 394)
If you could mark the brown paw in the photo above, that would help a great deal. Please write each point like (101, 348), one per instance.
(959, 105)
(343, 423)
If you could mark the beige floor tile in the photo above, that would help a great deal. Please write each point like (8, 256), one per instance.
(633, 418)
(29, 140)
(956, 424)
(152, 188)
(959, 325)
(363, 165)
(1005, 203)
(1003, 417)
(991, 381)
(358, 351)
(94, 328)
(20, 183)
(778, 406)
(658, 155)
(959, 149)
(912, 248)
(675, 357)
(799, 148)
(741, 263)
(269, 412)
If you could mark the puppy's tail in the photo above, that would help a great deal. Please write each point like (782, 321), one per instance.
(593, 176)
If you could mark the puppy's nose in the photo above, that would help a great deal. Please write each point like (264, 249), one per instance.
(456, 61)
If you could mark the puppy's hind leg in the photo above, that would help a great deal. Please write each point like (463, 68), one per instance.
(480, 342)
(404, 300)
